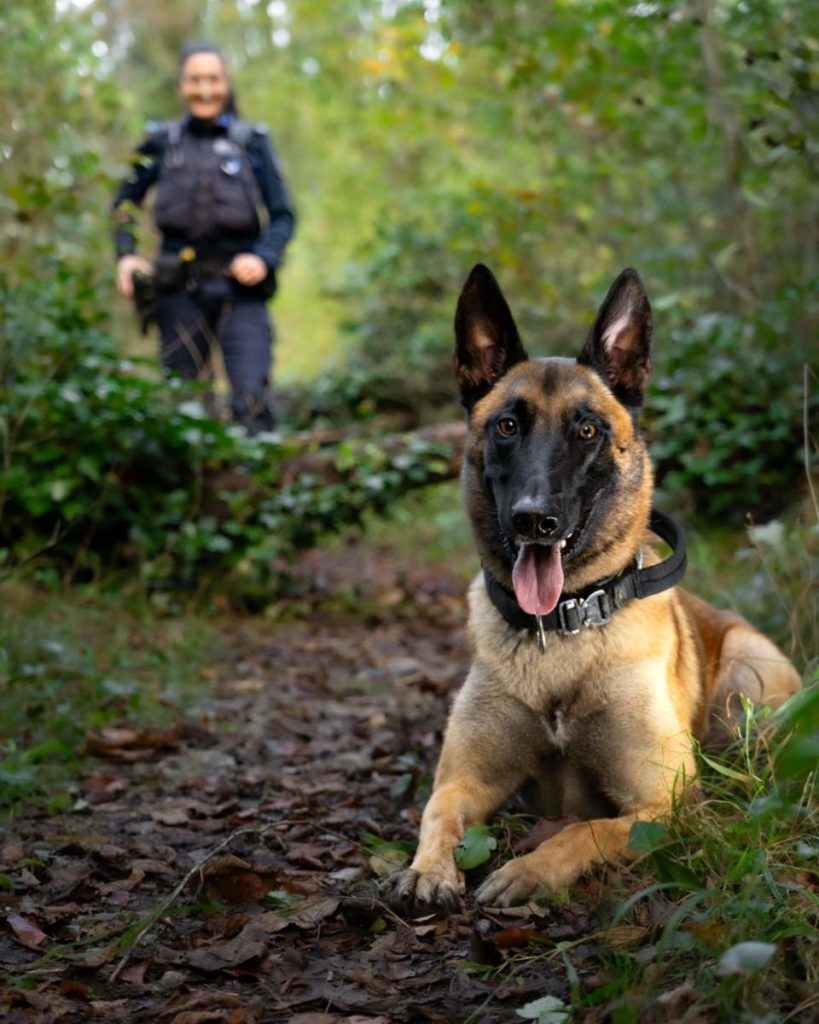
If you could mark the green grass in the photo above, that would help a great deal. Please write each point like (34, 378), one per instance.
(70, 662)
(737, 863)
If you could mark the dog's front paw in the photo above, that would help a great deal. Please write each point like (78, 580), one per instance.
(422, 892)
(513, 883)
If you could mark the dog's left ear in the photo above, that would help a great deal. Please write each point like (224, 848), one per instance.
(487, 343)
(619, 343)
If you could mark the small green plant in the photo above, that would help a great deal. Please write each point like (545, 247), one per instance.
(282, 901)
(387, 857)
(475, 848)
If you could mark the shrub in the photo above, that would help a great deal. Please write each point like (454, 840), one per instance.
(105, 466)
(726, 413)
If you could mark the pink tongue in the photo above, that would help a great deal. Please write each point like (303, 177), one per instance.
(538, 578)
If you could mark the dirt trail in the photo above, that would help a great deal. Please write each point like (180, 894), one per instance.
(318, 748)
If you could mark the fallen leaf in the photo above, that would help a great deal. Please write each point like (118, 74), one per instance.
(241, 887)
(135, 974)
(234, 880)
(248, 945)
(122, 884)
(10, 853)
(149, 866)
(126, 744)
(213, 1016)
(74, 990)
(508, 938)
(544, 829)
(200, 1007)
(312, 913)
(623, 936)
(26, 931)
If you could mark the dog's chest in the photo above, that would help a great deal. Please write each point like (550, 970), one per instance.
(559, 720)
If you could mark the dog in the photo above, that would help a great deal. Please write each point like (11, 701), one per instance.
(593, 674)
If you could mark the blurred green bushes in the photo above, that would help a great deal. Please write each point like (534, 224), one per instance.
(556, 143)
(104, 467)
(726, 411)
(726, 405)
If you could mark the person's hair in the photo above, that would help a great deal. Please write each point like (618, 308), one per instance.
(231, 105)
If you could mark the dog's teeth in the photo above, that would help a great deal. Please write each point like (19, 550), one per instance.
(562, 544)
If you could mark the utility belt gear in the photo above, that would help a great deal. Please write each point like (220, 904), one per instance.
(186, 271)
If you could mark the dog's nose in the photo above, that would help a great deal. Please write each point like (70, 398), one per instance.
(534, 524)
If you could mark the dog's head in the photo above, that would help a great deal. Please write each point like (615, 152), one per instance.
(557, 479)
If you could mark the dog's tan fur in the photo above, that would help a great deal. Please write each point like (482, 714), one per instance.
(600, 725)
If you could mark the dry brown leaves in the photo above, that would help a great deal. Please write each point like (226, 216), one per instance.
(324, 734)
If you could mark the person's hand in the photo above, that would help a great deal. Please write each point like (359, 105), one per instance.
(248, 269)
(126, 267)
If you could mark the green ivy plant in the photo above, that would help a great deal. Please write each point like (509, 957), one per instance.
(105, 466)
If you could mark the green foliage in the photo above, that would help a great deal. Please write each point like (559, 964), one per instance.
(768, 575)
(475, 848)
(734, 871)
(387, 857)
(726, 412)
(104, 466)
(567, 154)
(58, 100)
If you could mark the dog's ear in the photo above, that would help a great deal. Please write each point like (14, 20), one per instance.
(487, 342)
(619, 343)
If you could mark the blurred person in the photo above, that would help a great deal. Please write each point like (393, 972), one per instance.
(225, 218)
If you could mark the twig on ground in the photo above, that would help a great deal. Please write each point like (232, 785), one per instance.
(164, 905)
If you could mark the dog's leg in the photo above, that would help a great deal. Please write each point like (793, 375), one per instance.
(476, 773)
(561, 860)
(433, 879)
(645, 786)
(750, 666)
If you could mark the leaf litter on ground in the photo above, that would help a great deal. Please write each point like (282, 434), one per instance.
(228, 869)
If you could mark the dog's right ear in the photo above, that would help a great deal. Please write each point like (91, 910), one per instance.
(487, 343)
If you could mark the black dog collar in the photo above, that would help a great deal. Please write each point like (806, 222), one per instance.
(595, 605)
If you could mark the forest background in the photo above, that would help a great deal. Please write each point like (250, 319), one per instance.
(556, 142)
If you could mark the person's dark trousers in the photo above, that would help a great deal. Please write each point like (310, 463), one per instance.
(191, 324)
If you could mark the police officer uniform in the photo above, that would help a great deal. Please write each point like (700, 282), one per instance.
(219, 192)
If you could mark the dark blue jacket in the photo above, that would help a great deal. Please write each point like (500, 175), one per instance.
(147, 166)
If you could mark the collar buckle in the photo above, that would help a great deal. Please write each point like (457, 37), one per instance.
(581, 612)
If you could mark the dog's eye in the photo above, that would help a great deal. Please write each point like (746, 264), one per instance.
(507, 426)
(587, 431)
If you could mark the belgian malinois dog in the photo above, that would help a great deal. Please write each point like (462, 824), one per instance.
(593, 673)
